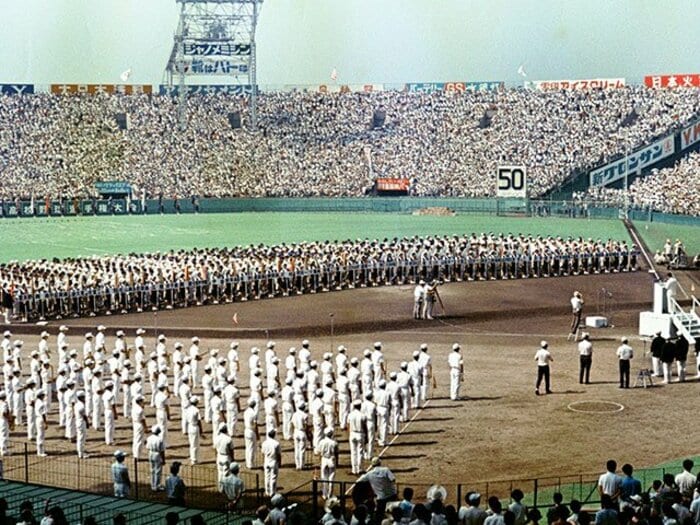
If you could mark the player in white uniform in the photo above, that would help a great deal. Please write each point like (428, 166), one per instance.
(287, 397)
(403, 378)
(290, 364)
(138, 426)
(223, 444)
(416, 373)
(456, 364)
(232, 357)
(272, 460)
(369, 410)
(317, 419)
(194, 429)
(270, 407)
(341, 360)
(300, 423)
(232, 403)
(366, 372)
(250, 432)
(40, 414)
(356, 437)
(328, 448)
(81, 424)
(426, 365)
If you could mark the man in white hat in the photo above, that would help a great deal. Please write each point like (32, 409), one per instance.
(40, 414)
(81, 424)
(250, 432)
(223, 445)
(156, 457)
(29, 399)
(543, 357)
(138, 426)
(87, 346)
(392, 388)
(100, 337)
(304, 356)
(366, 372)
(290, 364)
(426, 365)
(194, 429)
(195, 358)
(300, 423)
(139, 340)
(416, 373)
(207, 392)
(62, 338)
(44, 344)
(378, 364)
(328, 448)
(162, 403)
(232, 358)
(585, 352)
(418, 299)
(341, 360)
(357, 425)
(109, 406)
(6, 345)
(576, 312)
(272, 460)
(232, 486)
(382, 403)
(5, 423)
(456, 364)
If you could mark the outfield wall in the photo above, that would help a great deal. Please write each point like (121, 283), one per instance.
(484, 206)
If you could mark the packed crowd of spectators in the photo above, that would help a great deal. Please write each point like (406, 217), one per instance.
(673, 500)
(319, 144)
(178, 278)
(670, 190)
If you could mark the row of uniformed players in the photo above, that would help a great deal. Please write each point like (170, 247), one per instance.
(315, 397)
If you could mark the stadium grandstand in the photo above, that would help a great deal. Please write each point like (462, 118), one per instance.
(324, 144)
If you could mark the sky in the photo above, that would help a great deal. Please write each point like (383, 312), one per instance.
(366, 41)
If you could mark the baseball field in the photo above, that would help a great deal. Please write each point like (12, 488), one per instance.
(501, 430)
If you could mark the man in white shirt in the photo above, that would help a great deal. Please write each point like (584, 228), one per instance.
(418, 300)
(156, 457)
(456, 364)
(671, 286)
(357, 424)
(576, 311)
(686, 482)
(543, 357)
(328, 448)
(609, 484)
(250, 432)
(223, 444)
(624, 355)
(585, 352)
(138, 424)
(272, 460)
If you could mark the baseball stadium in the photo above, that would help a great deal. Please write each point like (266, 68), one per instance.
(257, 274)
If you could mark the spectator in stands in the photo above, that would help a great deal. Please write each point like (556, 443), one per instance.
(26, 509)
(53, 515)
(119, 519)
(172, 518)
(494, 514)
(472, 514)
(4, 518)
(558, 509)
(383, 484)
(607, 515)
(609, 483)
(517, 508)
(175, 486)
(232, 486)
(276, 515)
(406, 504)
(629, 486)
(197, 519)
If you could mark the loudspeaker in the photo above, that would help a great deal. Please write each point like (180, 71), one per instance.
(234, 119)
(122, 120)
(378, 118)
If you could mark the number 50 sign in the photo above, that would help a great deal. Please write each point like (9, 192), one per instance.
(511, 181)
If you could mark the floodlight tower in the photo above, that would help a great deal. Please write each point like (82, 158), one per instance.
(215, 38)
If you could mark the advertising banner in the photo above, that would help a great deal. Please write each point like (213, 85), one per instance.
(112, 187)
(690, 135)
(575, 85)
(92, 89)
(217, 67)
(672, 81)
(393, 184)
(215, 49)
(207, 89)
(16, 89)
(633, 163)
(453, 87)
(348, 88)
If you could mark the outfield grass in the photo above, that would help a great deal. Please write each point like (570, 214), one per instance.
(36, 238)
(656, 233)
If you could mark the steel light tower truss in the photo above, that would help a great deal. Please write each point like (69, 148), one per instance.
(215, 39)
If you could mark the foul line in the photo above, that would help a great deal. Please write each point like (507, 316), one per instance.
(396, 436)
